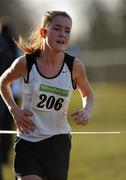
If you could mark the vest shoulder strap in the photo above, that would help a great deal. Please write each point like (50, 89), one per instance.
(30, 60)
(69, 61)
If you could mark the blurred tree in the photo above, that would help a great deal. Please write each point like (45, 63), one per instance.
(107, 29)
(123, 13)
(100, 36)
(12, 11)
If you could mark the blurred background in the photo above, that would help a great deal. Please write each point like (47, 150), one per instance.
(99, 40)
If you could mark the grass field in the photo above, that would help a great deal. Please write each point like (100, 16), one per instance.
(97, 157)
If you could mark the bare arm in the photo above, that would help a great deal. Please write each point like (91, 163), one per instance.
(17, 70)
(79, 75)
(7, 78)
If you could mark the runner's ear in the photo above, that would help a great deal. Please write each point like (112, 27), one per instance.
(43, 32)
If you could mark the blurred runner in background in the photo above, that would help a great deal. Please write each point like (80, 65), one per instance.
(8, 52)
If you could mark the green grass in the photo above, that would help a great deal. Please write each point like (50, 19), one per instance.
(97, 157)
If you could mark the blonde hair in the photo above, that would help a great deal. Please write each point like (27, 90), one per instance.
(34, 42)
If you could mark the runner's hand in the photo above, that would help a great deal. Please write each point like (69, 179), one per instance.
(81, 117)
(22, 120)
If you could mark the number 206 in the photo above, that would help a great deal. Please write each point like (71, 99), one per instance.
(50, 102)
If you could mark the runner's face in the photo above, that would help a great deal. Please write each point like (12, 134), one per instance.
(58, 33)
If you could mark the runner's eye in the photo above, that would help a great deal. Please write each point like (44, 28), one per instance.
(68, 31)
(56, 28)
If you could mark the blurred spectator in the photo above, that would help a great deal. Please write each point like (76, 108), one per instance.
(8, 53)
(1, 176)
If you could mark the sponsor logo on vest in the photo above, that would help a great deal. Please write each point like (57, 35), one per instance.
(55, 90)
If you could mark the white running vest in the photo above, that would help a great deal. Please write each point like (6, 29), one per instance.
(48, 99)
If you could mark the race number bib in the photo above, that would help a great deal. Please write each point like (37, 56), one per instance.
(49, 98)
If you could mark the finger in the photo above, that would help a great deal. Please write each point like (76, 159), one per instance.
(29, 124)
(85, 122)
(85, 117)
(81, 113)
(81, 120)
(21, 129)
(77, 120)
(26, 119)
(28, 113)
(75, 113)
(25, 129)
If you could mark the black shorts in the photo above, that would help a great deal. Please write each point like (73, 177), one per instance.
(47, 158)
